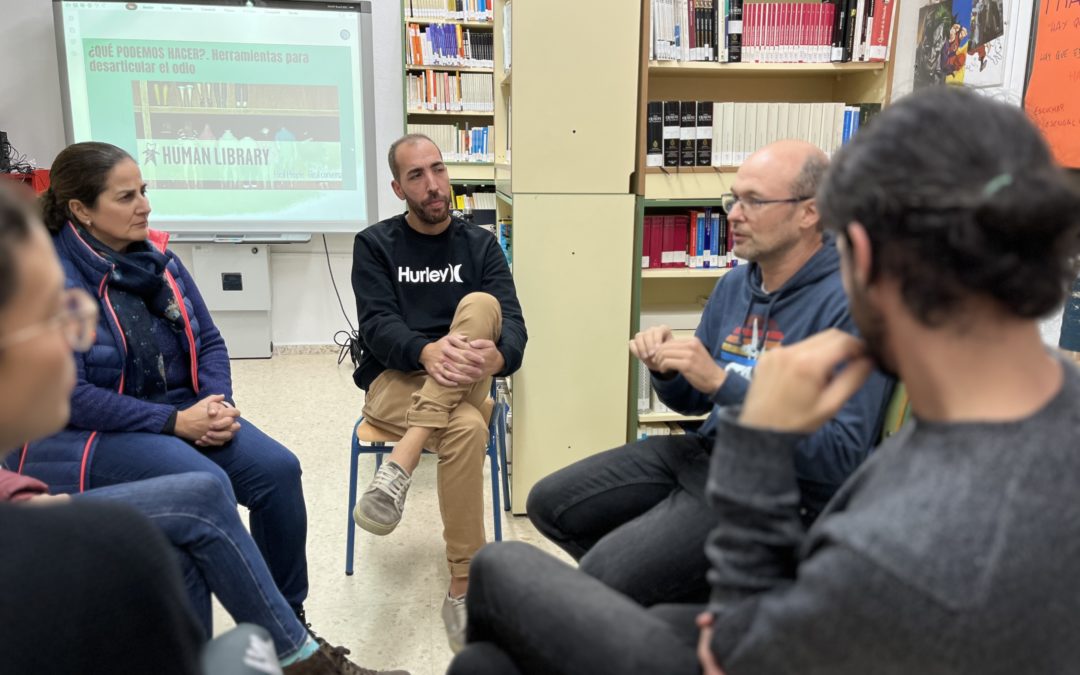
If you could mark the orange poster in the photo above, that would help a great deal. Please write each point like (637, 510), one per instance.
(1053, 95)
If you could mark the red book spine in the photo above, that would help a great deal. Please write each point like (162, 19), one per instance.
(683, 230)
(656, 243)
(669, 242)
(646, 239)
(882, 31)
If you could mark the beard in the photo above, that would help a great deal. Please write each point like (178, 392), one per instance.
(431, 214)
(871, 324)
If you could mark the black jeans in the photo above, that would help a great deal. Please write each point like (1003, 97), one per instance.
(530, 613)
(634, 517)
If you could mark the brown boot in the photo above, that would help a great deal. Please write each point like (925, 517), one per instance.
(331, 661)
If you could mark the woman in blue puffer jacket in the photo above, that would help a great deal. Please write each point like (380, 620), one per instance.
(154, 393)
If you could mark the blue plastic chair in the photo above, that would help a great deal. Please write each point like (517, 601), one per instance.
(496, 450)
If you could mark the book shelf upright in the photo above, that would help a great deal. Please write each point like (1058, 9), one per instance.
(566, 116)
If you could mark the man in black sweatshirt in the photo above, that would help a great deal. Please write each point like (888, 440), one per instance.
(439, 317)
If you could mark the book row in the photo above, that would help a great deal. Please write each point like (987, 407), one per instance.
(453, 92)
(731, 31)
(451, 10)
(459, 142)
(441, 44)
(695, 240)
(724, 134)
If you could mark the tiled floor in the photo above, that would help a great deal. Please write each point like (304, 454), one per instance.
(387, 613)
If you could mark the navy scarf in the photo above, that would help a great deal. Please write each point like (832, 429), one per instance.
(148, 314)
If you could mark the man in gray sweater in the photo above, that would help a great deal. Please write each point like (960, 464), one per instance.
(952, 549)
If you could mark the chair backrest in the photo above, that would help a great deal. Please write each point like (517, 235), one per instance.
(897, 412)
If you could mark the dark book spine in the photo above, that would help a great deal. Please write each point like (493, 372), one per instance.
(688, 133)
(704, 133)
(852, 29)
(839, 30)
(671, 133)
(654, 134)
(735, 29)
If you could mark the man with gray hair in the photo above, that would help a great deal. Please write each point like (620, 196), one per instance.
(439, 317)
(635, 517)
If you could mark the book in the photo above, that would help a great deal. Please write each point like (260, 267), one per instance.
(882, 35)
(704, 133)
(671, 133)
(734, 30)
(654, 132)
(687, 133)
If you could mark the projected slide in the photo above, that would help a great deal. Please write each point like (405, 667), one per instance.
(266, 126)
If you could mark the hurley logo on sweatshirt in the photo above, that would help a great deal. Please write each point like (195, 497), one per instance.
(449, 274)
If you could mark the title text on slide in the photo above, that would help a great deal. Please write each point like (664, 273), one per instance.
(111, 58)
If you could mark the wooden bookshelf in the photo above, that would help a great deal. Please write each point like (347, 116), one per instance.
(674, 295)
(656, 418)
(461, 173)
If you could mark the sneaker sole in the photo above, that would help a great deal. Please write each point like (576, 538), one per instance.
(368, 525)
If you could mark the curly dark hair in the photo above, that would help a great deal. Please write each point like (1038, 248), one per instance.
(80, 171)
(960, 197)
(16, 217)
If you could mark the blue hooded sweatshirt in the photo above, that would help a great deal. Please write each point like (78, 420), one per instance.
(741, 321)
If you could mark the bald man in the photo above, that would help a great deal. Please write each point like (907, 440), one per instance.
(636, 517)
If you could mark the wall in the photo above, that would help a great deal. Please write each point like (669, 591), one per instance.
(305, 310)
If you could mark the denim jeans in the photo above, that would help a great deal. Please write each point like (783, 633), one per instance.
(254, 469)
(216, 553)
(530, 613)
(634, 517)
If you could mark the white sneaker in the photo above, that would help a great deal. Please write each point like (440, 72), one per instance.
(380, 507)
(455, 618)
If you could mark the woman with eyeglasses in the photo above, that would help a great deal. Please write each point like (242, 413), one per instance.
(154, 393)
(103, 573)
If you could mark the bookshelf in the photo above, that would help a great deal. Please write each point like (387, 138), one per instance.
(674, 296)
(566, 186)
(477, 170)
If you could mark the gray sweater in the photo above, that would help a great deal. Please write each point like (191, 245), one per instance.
(954, 549)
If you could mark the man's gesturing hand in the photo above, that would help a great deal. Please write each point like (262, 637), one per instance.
(645, 344)
(693, 361)
(799, 388)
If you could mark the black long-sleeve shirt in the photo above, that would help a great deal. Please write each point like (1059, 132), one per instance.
(408, 286)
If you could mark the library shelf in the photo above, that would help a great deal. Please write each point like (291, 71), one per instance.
(450, 113)
(449, 68)
(706, 68)
(684, 273)
(453, 22)
(651, 418)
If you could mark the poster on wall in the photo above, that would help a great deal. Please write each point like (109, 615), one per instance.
(941, 43)
(987, 46)
(1052, 99)
(981, 44)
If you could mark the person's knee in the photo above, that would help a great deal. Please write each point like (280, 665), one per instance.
(281, 465)
(209, 489)
(540, 504)
(481, 658)
(483, 305)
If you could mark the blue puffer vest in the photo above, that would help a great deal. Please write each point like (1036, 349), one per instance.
(63, 460)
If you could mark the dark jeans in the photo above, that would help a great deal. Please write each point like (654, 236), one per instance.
(215, 551)
(530, 613)
(254, 469)
(634, 517)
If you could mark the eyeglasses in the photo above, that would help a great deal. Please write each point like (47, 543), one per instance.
(729, 200)
(77, 320)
